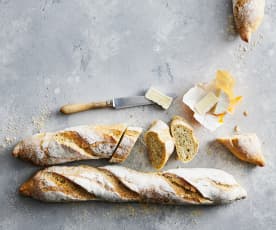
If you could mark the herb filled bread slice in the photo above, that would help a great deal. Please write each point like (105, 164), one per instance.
(185, 141)
(246, 147)
(126, 144)
(159, 143)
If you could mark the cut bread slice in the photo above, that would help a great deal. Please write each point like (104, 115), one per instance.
(246, 147)
(159, 143)
(126, 144)
(185, 141)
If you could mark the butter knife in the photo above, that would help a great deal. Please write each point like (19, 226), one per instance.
(115, 103)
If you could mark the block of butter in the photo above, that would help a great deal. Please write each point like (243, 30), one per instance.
(206, 103)
(159, 98)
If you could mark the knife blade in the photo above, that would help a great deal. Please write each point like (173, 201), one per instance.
(126, 102)
(116, 103)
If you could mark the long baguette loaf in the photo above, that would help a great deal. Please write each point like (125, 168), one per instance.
(118, 184)
(72, 144)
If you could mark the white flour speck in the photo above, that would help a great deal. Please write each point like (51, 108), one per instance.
(77, 79)
(70, 80)
(271, 53)
(47, 81)
(57, 90)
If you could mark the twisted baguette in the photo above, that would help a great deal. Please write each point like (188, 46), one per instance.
(72, 144)
(118, 184)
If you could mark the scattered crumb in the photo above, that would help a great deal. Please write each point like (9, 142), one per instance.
(237, 129)
(39, 122)
(245, 113)
(57, 90)
(131, 210)
(243, 49)
(231, 26)
(148, 209)
(196, 213)
(9, 140)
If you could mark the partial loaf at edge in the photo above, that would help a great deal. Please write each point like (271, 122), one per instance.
(248, 15)
(73, 144)
(246, 147)
(118, 184)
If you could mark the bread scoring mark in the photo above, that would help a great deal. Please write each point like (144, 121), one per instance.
(184, 189)
(124, 192)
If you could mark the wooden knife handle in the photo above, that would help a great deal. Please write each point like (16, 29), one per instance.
(75, 108)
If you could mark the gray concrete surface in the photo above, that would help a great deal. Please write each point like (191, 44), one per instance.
(55, 51)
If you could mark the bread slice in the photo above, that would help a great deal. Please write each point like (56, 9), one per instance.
(185, 142)
(246, 147)
(159, 143)
(126, 144)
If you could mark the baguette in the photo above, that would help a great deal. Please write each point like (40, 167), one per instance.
(118, 184)
(72, 144)
(185, 141)
(126, 144)
(246, 147)
(159, 143)
(248, 15)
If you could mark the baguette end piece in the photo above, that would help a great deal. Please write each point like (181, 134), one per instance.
(185, 141)
(246, 147)
(248, 15)
(159, 143)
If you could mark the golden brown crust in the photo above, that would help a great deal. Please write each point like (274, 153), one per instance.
(73, 144)
(245, 147)
(159, 144)
(248, 15)
(119, 184)
(126, 144)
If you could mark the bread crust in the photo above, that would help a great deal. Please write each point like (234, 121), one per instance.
(72, 144)
(126, 144)
(158, 140)
(248, 15)
(118, 184)
(246, 147)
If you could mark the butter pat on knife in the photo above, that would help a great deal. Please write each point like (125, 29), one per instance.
(159, 98)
